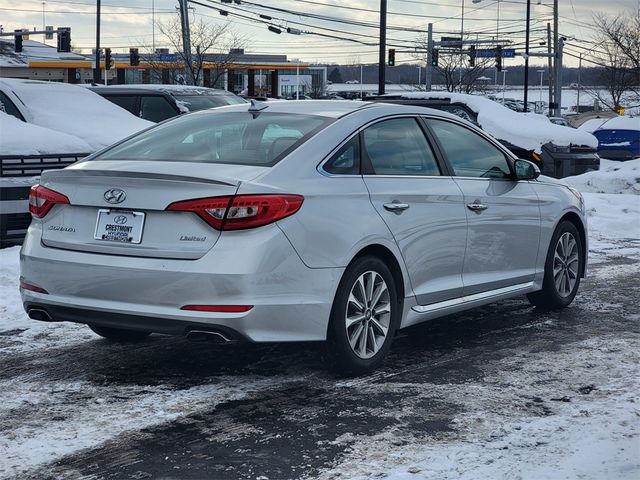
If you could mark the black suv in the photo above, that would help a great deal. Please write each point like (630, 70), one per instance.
(159, 102)
(554, 160)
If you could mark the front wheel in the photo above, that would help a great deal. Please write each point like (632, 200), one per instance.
(364, 317)
(120, 334)
(562, 269)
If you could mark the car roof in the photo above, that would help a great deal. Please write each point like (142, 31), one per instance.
(101, 89)
(328, 108)
(176, 90)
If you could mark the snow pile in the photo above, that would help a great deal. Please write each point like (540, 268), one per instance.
(613, 177)
(20, 138)
(75, 111)
(525, 130)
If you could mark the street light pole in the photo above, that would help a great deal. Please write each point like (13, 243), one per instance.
(526, 58)
(461, 44)
(504, 84)
(383, 46)
(541, 72)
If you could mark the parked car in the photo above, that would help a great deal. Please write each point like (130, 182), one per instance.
(322, 220)
(619, 138)
(560, 121)
(558, 151)
(45, 126)
(160, 102)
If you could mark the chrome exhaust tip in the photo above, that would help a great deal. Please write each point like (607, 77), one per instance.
(207, 336)
(39, 314)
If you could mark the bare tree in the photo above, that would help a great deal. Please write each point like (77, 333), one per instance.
(618, 54)
(217, 47)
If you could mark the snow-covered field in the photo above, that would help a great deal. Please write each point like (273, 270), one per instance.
(570, 412)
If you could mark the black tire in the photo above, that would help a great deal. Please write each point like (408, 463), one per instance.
(120, 334)
(551, 297)
(341, 356)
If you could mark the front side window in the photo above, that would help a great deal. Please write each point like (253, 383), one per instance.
(128, 102)
(240, 138)
(399, 147)
(469, 154)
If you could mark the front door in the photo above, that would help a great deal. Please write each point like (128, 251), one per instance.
(503, 214)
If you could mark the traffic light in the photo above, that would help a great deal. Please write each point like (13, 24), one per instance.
(64, 39)
(17, 40)
(108, 61)
(434, 57)
(499, 58)
(472, 56)
(134, 57)
(391, 60)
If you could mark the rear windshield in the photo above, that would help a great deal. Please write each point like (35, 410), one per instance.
(241, 138)
(200, 102)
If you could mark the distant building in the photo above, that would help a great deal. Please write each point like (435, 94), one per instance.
(237, 71)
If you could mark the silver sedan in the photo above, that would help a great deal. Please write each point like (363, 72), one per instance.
(326, 221)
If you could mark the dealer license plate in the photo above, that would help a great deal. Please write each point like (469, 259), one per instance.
(119, 226)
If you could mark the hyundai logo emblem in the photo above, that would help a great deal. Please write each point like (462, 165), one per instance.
(120, 219)
(115, 195)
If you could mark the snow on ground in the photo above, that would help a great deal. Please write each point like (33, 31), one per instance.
(74, 110)
(13, 133)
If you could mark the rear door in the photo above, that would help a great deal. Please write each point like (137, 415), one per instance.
(422, 207)
(503, 214)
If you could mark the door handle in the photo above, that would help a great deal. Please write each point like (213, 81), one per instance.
(477, 207)
(396, 207)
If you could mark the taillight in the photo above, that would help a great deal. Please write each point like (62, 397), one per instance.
(241, 211)
(42, 199)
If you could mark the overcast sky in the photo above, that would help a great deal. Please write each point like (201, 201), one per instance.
(128, 23)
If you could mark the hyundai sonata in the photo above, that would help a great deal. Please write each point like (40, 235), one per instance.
(326, 221)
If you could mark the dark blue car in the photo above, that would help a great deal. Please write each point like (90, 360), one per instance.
(619, 138)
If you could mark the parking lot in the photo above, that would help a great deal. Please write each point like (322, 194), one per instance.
(502, 389)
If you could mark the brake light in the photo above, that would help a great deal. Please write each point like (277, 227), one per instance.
(42, 199)
(33, 288)
(241, 211)
(218, 308)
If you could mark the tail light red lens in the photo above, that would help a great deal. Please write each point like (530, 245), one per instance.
(241, 211)
(27, 286)
(42, 199)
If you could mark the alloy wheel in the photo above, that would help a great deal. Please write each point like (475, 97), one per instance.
(368, 314)
(566, 262)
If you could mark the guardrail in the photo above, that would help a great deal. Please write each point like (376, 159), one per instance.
(17, 174)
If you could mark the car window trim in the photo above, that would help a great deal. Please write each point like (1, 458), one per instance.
(508, 155)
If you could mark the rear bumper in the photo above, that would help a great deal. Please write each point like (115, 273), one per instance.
(291, 302)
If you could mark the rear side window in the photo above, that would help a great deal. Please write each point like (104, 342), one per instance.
(469, 154)
(156, 109)
(399, 147)
(128, 102)
(240, 138)
(345, 161)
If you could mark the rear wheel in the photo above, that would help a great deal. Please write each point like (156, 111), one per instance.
(364, 317)
(120, 334)
(562, 269)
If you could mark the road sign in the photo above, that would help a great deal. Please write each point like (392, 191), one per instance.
(491, 52)
(167, 57)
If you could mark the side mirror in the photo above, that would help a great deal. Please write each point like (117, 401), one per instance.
(526, 170)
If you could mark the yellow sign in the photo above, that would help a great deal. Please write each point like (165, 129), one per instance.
(620, 110)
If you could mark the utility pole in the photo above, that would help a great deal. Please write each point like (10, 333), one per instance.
(428, 74)
(556, 86)
(186, 41)
(579, 71)
(526, 59)
(558, 83)
(550, 74)
(96, 70)
(383, 46)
